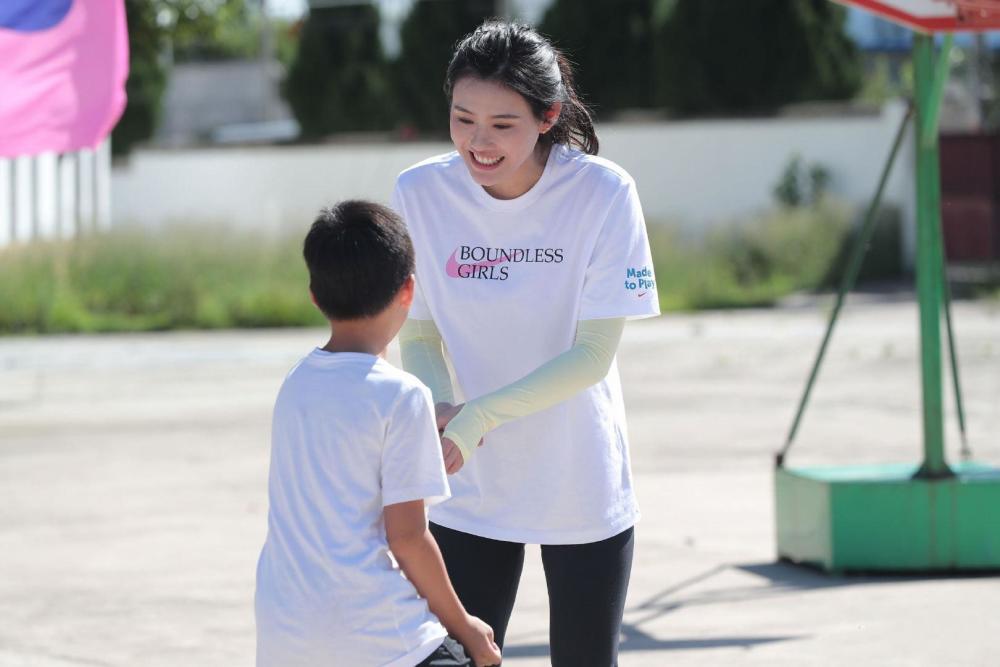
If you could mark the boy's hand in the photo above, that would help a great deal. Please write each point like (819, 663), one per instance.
(445, 412)
(477, 638)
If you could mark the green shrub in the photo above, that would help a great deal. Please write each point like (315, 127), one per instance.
(134, 280)
(884, 258)
(750, 264)
(207, 277)
(801, 184)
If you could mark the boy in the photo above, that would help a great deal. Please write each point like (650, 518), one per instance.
(354, 456)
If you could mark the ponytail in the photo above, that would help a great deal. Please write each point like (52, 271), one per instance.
(575, 124)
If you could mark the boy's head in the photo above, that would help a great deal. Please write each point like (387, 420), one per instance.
(359, 257)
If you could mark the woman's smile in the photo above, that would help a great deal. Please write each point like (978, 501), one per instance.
(484, 161)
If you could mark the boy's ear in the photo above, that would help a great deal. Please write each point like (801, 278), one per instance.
(313, 298)
(406, 292)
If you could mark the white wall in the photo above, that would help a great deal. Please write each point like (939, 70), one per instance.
(702, 172)
(49, 196)
(265, 188)
(695, 173)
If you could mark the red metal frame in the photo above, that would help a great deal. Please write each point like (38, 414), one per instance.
(956, 15)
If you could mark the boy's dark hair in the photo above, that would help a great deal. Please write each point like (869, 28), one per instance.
(359, 255)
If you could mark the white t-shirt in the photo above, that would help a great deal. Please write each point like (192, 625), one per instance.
(351, 434)
(506, 281)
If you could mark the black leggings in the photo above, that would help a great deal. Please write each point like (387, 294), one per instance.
(587, 584)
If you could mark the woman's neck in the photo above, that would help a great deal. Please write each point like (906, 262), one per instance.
(529, 174)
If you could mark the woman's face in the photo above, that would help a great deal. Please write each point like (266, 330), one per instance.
(496, 132)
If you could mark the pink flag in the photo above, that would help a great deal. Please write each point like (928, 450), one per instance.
(63, 65)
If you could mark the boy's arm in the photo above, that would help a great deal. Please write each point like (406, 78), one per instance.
(420, 559)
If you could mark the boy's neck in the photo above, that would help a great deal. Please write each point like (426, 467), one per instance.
(355, 336)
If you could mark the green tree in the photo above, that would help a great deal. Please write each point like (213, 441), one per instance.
(181, 30)
(610, 43)
(147, 76)
(211, 29)
(427, 39)
(340, 79)
(286, 40)
(719, 56)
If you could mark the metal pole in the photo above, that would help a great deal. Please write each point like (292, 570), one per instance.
(67, 196)
(928, 92)
(24, 198)
(953, 355)
(102, 186)
(847, 282)
(940, 76)
(6, 202)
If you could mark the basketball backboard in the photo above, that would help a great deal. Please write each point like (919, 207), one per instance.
(932, 16)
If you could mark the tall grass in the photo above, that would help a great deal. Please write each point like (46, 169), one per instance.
(755, 263)
(210, 277)
(134, 280)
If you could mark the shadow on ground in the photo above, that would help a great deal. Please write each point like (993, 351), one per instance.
(634, 639)
(782, 578)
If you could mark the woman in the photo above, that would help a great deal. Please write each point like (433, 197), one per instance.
(531, 254)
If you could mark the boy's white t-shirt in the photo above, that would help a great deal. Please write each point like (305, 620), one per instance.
(351, 434)
(506, 281)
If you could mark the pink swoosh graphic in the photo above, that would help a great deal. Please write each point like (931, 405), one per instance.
(451, 268)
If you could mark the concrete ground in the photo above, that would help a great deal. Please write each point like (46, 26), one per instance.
(133, 500)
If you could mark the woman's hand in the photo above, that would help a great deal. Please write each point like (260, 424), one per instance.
(453, 459)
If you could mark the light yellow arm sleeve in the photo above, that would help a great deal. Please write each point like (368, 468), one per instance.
(422, 352)
(586, 363)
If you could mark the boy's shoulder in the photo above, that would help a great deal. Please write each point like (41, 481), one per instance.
(403, 382)
(361, 373)
(400, 395)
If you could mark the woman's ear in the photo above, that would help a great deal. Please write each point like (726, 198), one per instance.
(550, 117)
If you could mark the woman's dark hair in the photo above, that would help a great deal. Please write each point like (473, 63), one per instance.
(359, 255)
(516, 56)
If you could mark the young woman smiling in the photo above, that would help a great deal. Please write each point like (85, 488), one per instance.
(531, 255)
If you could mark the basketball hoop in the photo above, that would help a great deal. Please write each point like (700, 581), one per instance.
(935, 16)
(977, 12)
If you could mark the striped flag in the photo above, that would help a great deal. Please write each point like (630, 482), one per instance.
(63, 65)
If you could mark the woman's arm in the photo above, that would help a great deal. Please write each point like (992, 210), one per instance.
(421, 349)
(586, 363)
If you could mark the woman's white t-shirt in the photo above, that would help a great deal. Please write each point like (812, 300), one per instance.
(506, 281)
(351, 434)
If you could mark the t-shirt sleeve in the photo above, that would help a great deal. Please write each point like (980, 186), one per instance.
(419, 309)
(412, 466)
(619, 281)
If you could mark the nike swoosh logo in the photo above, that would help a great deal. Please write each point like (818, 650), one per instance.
(642, 294)
(451, 268)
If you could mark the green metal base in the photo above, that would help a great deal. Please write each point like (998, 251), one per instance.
(878, 518)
